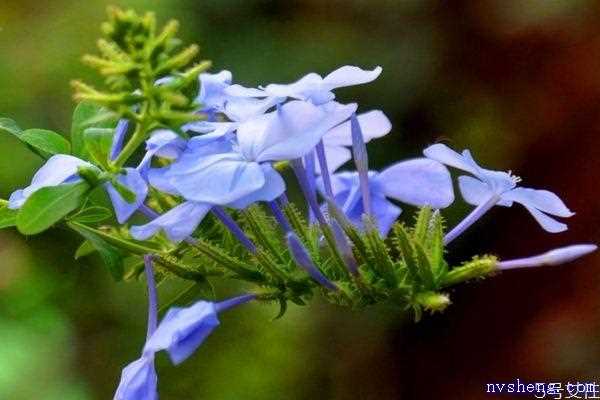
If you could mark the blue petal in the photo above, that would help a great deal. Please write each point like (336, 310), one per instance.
(306, 88)
(16, 199)
(163, 143)
(476, 192)
(134, 182)
(243, 108)
(374, 124)
(273, 188)
(419, 182)
(219, 179)
(350, 75)
(385, 213)
(548, 223)
(291, 131)
(212, 87)
(183, 330)
(542, 200)
(241, 91)
(58, 169)
(178, 223)
(444, 154)
(336, 157)
(214, 130)
(159, 178)
(138, 381)
(314, 88)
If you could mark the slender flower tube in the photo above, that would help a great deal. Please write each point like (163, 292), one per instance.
(344, 247)
(310, 197)
(152, 296)
(311, 175)
(283, 200)
(233, 302)
(234, 228)
(279, 216)
(139, 379)
(324, 168)
(148, 212)
(361, 160)
(553, 257)
(302, 258)
(473, 217)
(119, 138)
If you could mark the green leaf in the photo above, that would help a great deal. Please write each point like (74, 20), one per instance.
(88, 115)
(85, 249)
(45, 142)
(111, 256)
(9, 126)
(98, 142)
(49, 205)
(8, 217)
(121, 243)
(91, 215)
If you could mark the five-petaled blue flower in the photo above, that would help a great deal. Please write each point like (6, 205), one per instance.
(488, 188)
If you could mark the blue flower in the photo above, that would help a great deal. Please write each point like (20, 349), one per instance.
(236, 171)
(312, 87)
(183, 330)
(63, 168)
(138, 380)
(59, 169)
(418, 182)
(488, 188)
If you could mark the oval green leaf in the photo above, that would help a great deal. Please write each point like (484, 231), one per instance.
(49, 205)
(46, 142)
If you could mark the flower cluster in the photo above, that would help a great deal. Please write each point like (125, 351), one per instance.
(198, 173)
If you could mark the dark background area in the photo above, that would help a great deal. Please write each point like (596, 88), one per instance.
(515, 81)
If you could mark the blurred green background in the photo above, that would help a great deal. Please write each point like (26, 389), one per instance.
(516, 81)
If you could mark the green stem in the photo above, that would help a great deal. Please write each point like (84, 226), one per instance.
(138, 137)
